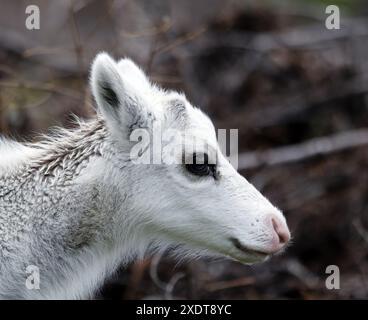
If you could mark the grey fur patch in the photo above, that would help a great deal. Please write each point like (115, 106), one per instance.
(179, 111)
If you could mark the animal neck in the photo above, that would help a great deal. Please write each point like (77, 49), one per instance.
(59, 212)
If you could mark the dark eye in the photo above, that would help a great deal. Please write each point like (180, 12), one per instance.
(200, 167)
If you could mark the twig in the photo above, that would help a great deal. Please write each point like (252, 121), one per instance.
(171, 285)
(78, 47)
(300, 271)
(311, 36)
(221, 285)
(41, 50)
(305, 150)
(163, 27)
(154, 273)
(296, 104)
(168, 288)
(177, 42)
(360, 229)
(3, 126)
(43, 87)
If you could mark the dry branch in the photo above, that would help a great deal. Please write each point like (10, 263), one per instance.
(43, 87)
(311, 36)
(229, 284)
(169, 287)
(357, 223)
(304, 150)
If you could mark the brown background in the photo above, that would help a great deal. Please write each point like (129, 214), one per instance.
(270, 69)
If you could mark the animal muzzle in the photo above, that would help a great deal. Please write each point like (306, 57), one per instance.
(279, 237)
(280, 233)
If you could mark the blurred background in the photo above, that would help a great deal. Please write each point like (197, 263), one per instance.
(296, 91)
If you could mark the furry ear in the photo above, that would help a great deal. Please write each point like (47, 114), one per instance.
(119, 100)
(136, 74)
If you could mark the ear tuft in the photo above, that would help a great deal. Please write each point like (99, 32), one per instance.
(106, 81)
(109, 95)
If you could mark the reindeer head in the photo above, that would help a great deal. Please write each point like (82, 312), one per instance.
(188, 193)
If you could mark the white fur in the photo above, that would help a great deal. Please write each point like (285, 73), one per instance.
(76, 206)
(13, 155)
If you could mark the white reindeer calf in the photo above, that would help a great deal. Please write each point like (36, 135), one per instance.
(76, 205)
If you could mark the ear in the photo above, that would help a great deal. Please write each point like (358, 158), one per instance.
(119, 101)
(136, 74)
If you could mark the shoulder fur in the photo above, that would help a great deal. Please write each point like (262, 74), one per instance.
(53, 151)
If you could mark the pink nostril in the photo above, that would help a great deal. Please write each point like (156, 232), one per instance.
(281, 230)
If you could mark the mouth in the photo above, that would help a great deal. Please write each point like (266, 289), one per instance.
(255, 253)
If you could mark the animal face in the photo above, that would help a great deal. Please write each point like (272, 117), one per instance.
(185, 192)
